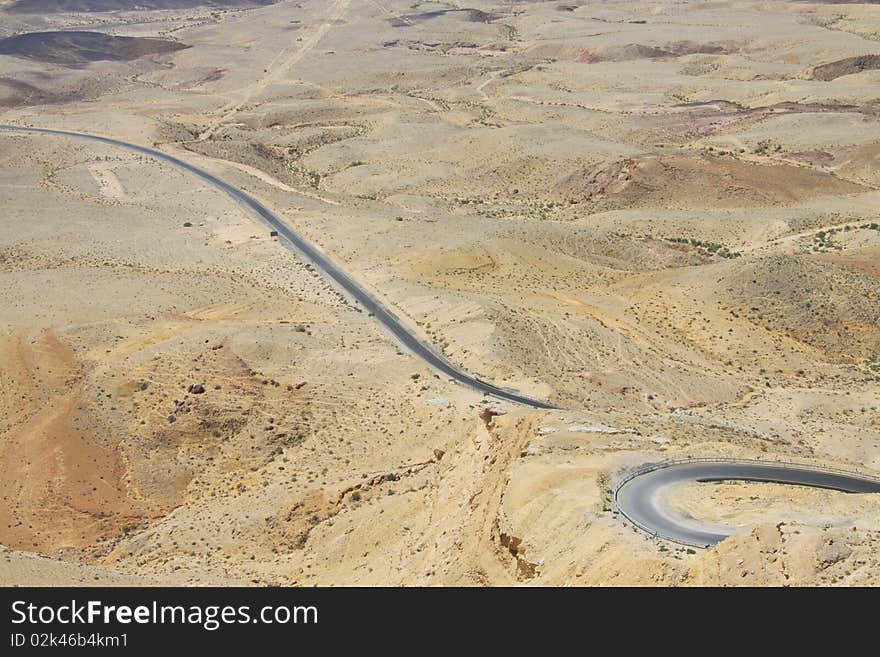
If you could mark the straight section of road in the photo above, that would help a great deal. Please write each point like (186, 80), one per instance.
(307, 252)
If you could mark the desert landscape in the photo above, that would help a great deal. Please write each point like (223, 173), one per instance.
(662, 218)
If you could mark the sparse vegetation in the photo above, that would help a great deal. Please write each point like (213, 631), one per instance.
(203, 406)
(823, 240)
(709, 248)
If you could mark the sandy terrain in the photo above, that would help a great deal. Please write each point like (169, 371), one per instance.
(661, 216)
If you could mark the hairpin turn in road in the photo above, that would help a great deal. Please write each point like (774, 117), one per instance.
(639, 497)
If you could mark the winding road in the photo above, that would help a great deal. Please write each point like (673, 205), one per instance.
(640, 496)
(308, 252)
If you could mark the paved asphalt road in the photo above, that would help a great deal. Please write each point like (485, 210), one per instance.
(640, 498)
(309, 253)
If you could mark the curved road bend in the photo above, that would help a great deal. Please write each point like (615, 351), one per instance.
(640, 498)
(309, 253)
